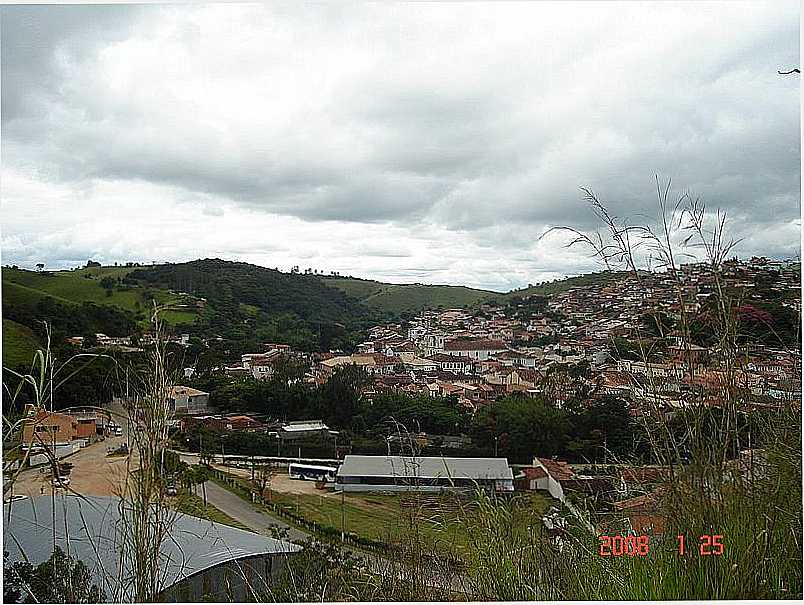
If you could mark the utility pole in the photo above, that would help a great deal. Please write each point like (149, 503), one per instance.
(52, 361)
(343, 517)
(495, 446)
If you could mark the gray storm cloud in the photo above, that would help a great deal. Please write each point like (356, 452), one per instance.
(478, 121)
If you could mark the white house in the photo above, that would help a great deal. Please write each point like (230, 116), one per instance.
(480, 349)
(187, 400)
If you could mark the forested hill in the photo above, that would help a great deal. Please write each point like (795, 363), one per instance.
(271, 291)
(262, 303)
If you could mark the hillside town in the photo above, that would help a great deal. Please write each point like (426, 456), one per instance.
(408, 302)
(616, 340)
(524, 347)
(481, 354)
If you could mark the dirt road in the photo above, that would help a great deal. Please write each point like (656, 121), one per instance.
(93, 473)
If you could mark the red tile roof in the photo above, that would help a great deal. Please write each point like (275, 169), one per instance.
(534, 473)
(557, 469)
(460, 344)
(647, 502)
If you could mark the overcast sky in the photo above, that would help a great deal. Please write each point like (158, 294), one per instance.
(404, 142)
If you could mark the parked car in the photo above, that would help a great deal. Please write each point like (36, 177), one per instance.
(170, 490)
(61, 481)
(15, 498)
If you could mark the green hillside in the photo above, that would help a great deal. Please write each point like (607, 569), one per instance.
(84, 285)
(412, 298)
(19, 344)
(76, 303)
(409, 298)
(248, 303)
(567, 283)
(27, 288)
(360, 289)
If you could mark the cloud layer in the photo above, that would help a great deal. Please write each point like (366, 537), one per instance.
(408, 142)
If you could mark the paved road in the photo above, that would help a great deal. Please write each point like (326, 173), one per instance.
(242, 511)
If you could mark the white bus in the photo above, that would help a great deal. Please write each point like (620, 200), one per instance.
(311, 472)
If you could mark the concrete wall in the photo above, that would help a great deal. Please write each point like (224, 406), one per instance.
(61, 452)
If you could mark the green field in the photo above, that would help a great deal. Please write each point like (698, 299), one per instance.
(440, 519)
(177, 318)
(80, 286)
(25, 296)
(83, 285)
(356, 288)
(19, 344)
(101, 272)
(398, 298)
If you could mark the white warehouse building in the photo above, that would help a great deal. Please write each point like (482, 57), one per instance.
(423, 474)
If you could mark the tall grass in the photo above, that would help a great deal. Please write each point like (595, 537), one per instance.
(754, 504)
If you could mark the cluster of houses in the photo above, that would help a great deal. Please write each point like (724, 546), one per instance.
(259, 365)
(480, 354)
(64, 432)
(128, 343)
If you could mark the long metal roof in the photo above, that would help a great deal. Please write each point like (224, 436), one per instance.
(93, 530)
(425, 467)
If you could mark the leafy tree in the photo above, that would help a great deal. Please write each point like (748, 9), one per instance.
(599, 425)
(658, 323)
(440, 415)
(60, 579)
(321, 572)
(339, 397)
(289, 369)
(524, 426)
(263, 478)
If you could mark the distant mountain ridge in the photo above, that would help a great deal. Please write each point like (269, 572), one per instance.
(413, 298)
